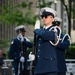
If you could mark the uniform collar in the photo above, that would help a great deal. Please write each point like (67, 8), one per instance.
(46, 27)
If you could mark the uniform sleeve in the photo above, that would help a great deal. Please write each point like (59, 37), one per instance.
(28, 43)
(63, 45)
(11, 52)
(45, 35)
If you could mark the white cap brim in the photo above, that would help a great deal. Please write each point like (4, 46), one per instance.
(19, 27)
(47, 9)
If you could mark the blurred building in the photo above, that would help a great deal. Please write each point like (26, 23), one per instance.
(7, 31)
(61, 12)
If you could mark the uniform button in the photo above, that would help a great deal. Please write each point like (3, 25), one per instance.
(51, 58)
(38, 50)
(38, 56)
(39, 38)
(39, 44)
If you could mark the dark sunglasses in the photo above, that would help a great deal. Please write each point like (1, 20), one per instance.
(44, 16)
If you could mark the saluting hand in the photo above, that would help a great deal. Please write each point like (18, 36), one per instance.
(20, 37)
(37, 24)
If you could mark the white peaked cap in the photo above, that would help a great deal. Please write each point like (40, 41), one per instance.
(19, 27)
(47, 9)
(58, 19)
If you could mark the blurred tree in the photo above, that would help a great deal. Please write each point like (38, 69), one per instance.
(68, 8)
(70, 52)
(13, 15)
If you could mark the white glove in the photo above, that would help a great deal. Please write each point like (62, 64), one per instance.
(27, 39)
(37, 24)
(31, 57)
(20, 37)
(22, 59)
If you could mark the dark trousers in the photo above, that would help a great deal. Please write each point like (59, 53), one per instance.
(21, 72)
(53, 73)
(15, 66)
(61, 73)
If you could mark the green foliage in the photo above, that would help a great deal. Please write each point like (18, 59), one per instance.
(3, 43)
(73, 44)
(29, 5)
(13, 15)
(7, 53)
(43, 3)
(23, 4)
(70, 52)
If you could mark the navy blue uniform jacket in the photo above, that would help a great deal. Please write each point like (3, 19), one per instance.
(60, 50)
(15, 48)
(46, 58)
